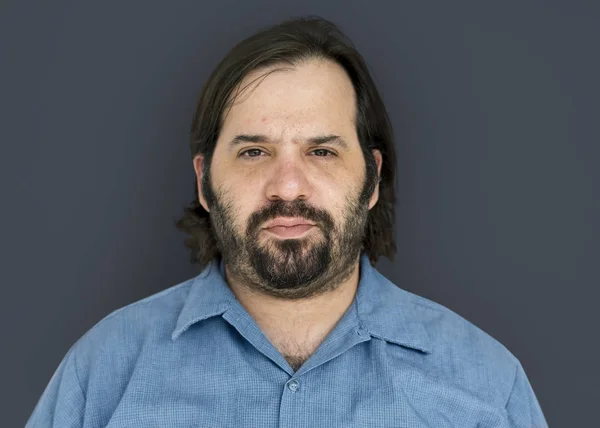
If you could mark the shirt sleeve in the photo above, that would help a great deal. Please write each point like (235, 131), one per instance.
(62, 403)
(522, 407)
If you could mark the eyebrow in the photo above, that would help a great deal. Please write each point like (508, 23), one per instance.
(258, 138)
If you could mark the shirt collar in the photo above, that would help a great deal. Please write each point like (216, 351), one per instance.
(384, 310)
(209, 296)
(389, 312)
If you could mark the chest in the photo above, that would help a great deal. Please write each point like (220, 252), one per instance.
(296, 347)
(367, 385)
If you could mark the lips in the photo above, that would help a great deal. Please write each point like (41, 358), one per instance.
(281, 222)
(291, 231)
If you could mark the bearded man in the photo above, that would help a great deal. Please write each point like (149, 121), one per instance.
(289, 324)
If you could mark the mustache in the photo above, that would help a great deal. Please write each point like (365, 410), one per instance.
(282, 208)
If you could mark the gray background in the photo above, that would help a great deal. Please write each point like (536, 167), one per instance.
(495, 108)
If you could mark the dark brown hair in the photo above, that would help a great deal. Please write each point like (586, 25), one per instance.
(289, 43)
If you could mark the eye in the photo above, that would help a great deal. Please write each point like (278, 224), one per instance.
(251, 153)
(324, 153)
(256, 153)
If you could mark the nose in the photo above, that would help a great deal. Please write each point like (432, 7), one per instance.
(288, 181)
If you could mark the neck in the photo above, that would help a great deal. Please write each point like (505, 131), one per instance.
(304, 320)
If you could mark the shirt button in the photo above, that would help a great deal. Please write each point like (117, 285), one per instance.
(293, 385)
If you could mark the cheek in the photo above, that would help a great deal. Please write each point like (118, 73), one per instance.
(243, 204)
(338, 192)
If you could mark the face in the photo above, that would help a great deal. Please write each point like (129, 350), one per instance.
(288, 191)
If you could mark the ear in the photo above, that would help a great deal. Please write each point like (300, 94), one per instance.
(379, 162)
(198, 167)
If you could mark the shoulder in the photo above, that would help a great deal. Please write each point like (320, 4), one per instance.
(98, 366)
(450, 331)
(122, 334)
(462, 352)
(157, 312)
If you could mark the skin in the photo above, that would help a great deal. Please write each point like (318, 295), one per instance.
(295, 289)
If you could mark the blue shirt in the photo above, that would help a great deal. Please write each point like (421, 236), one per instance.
(191, 356)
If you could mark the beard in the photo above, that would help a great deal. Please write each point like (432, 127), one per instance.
(292, 268)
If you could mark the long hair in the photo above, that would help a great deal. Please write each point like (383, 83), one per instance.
(291, 42)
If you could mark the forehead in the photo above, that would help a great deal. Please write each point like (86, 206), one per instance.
(314, 96)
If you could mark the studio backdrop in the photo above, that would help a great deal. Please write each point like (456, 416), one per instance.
(495, 112)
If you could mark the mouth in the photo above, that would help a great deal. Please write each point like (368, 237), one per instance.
(288, 222)
(290, 231)
(289, 227)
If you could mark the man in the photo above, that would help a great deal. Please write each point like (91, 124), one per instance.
(289, 324)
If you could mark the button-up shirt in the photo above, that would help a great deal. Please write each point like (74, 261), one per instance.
(192, 356)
